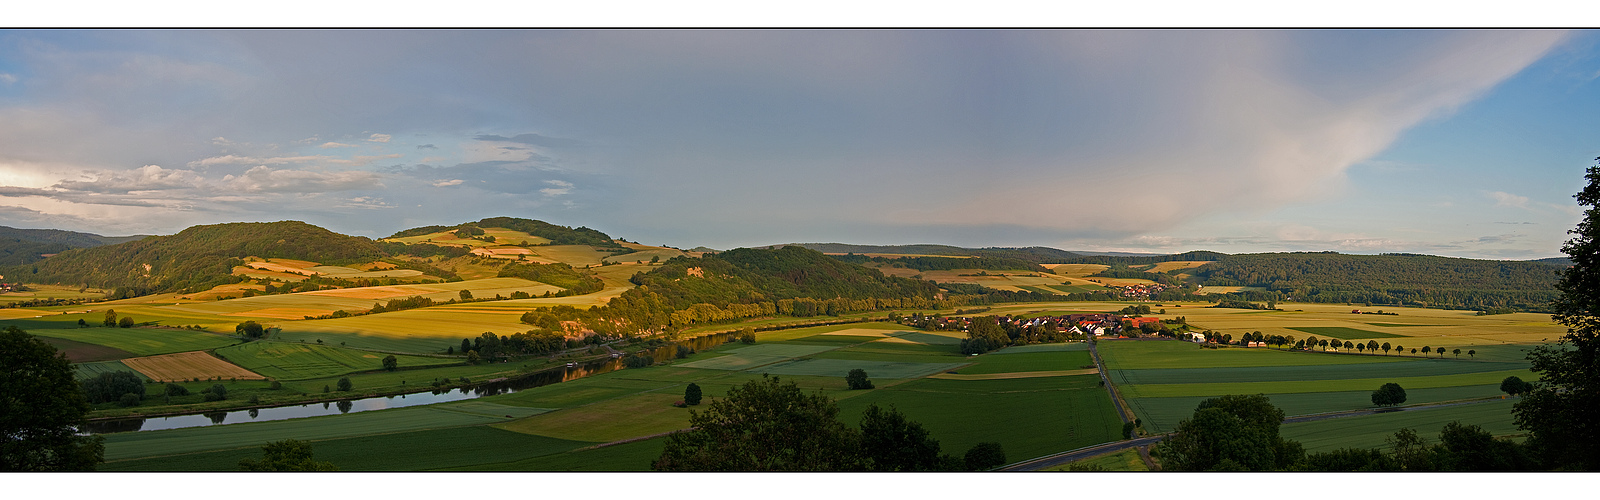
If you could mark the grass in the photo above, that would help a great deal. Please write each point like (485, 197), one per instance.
(292, 361)
(1069, 346)
(612, 420)
(141, 341)
(423, 450)
(842, 367)
(1370, 431)
(1163, 414)
(1062, 413)
(1275, 387)
(37, 292)
(1341, 332)
(91, 370)
(82, 352)
(123, 446)
(1123, 461)
(1413, 368)
(1128, 355)
(1029, 362)
(626, 457)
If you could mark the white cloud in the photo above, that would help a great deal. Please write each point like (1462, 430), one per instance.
(364, 160)
(379, 138)
(266, 179)
(365, 202)
(146, 178)
(330, 145)
(8, 78)
(251, 160)
(451, 182)
(1504, 199)
(561, 188)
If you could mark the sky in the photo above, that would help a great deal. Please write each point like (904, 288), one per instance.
(1456, 143)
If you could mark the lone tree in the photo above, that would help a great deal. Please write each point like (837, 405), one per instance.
(110, 318)
(41, 409)
(1389, 394)
(344, 384)
(288, 455)
(691, 394)
(250, 329)
(391, 363)
(857, 378)
(1514, 385)
(1562, 412)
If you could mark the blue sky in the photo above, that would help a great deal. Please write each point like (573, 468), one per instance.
(1459, 143)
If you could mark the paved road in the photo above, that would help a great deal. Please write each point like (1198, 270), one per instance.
(1105, 380)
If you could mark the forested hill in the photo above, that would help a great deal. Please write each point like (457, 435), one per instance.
(197, 257)
(1113, 260)
(1037, 255)
(558, 235)
(1389, 279)
(745, 275)
(25, 246)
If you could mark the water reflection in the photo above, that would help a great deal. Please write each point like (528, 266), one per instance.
(435, 396)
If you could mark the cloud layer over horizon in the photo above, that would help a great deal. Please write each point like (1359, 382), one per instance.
(1097, 140)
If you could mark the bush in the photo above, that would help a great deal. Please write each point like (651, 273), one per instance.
(254, 399)
(691, 394)
(130, 399)
(985, 456)
(344, 384)
(684, 351)
(176, 390)
(391, 363)
(108, 387)
(275, 385)
(216, 393)
(638, 361)
(125, 322)
(857, 379)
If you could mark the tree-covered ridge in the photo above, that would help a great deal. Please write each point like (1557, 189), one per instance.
(196, 258)
(1388, 279)
(15, 251)
(26, 246)
(946, 263)
(1037, 255)
(1115, 260)
(576, 282)
(558, 235)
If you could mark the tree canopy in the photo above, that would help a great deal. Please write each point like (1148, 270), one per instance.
(289, 455)
(41, 409)
(1231, 432)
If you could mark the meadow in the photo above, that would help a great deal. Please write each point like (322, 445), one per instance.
(188, 366)
(1371, 431)
(140, 341)
(293, 361)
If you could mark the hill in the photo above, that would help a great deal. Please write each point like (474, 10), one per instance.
(1037, 255)
(196, 258)
(1387, 279)
(554, 234)
(26, 246)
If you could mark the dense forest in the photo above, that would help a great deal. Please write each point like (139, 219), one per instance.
(1113, 260)
(558, 235)
(1387, 279)
(946, 263)
(575, 282)
(26, 246)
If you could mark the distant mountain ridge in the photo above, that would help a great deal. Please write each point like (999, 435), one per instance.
(1037, 255)
(26, 246)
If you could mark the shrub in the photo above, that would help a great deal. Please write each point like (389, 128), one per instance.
(857, 379)
(125, 322)
(638, 361)
(130, 399)
(344, 384)
(108, 387)
(276, 385)
(691, 394)
(176, 390)
(684, 351)
(985, 456)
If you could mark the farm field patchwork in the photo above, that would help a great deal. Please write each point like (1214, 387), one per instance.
(1224, 388)
(289, 361)
(82, 352)
(186, 366)
(1130, 354)
(1341, 332)
(1029, 362)
(1412, 368)
(140, 341)
(94, 369)
(841, 367)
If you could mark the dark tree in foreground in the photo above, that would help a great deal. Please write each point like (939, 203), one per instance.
(1230, 433)
(764, 425)
(288, 455)
(857, 379)
(890, 442)
(391, 363)
(1389, 394)
(985, 456)
(691, 394)
(1562, 412)
(41, 409)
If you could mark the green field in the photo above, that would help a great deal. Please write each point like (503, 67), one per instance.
(1069, 346)
(425, 450)
(91, 370)
(1163, 414)
(1412, 368)
(842, 367)
(129, 445)
(1029, 362)
(1130, 355)
(1224, 388)
(141, 341)
(1370, 431)
(1345, 333)
(292, 361)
